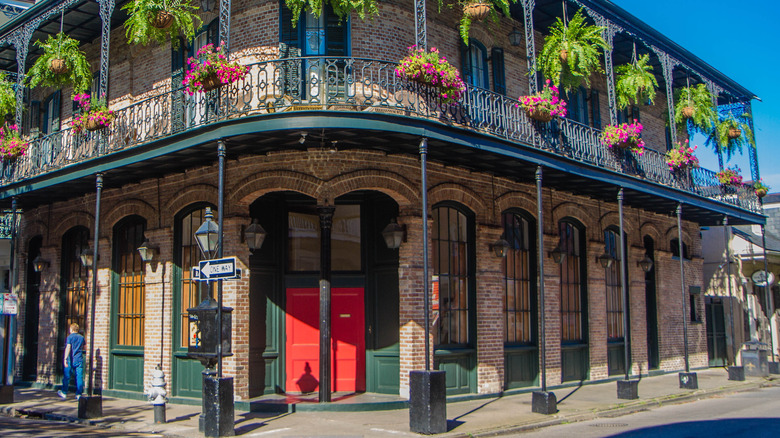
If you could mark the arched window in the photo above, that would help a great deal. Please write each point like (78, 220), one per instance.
(674, 246)
(187, 254)
(613, 286)
(74, 277)
(130, 283)
(573, 300)
(519, 272)
(453, 265)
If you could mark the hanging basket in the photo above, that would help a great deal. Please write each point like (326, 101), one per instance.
(162, 20)
(760, 193)
(540, 113)
(94, 125)
(58, 66)
(687, 112)
(564, 56)
(477, 11)
(211, 82)
(625, 144)
(734, 133)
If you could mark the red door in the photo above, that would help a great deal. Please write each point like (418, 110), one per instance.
(348, 349)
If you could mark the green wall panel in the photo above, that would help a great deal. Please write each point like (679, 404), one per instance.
(521, 368)
(574, 362)
(127, 372)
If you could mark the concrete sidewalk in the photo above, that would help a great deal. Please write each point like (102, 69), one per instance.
(482, 417)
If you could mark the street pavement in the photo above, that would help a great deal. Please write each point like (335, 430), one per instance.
(498, 415)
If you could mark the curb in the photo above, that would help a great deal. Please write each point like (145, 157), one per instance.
(612, 412)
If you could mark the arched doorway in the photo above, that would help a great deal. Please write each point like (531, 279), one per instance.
(32, 298)
(284, 296)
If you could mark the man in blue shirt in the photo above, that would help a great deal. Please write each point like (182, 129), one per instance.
(74, 362)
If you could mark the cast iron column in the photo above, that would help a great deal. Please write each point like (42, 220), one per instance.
(91, 406)
(542, 402)
(426, 277)
(770, 299)
(682, 288)
(106, 10)
(326, 223)
(420, 25)
(8, 321)
(624, 289)
(528, 19)
(540, 245)
(220, 222)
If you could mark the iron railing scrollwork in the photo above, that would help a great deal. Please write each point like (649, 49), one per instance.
(354, 84)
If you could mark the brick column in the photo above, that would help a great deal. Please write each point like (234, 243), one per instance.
(597, 312)
(490, 313)
(235, 294)
(552, 314)
(410, 295)
(158, 305)
(48, 317)
(638, 308)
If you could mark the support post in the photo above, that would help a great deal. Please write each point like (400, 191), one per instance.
(735, 372)
(542, 402)
(774, 366)
(530, 45)
(420, 24)
(687, 380)
(427, 389)
(627, 388)
(326, 224)
(91, 405)
(8, 325)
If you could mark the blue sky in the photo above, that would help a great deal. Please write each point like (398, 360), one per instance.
(738, 39)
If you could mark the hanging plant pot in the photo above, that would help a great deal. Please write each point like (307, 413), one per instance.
(687, 112)
(540, 113)
(734, 133)
(477, 11)
(162, 20)
(625, 144)
(58, 66)
(564, 55)
(211, 82)
(94, 125)
(760, 193)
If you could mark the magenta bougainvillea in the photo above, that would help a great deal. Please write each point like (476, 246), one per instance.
(94, 113)
(545, 104)
(430, 68)
(730, 176)
(11, 143)
(625, 135)
(681, 157)
(211, 63)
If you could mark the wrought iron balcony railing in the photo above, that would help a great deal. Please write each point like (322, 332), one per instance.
(352, 84)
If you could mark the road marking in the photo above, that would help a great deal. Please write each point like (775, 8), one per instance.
(268, 432)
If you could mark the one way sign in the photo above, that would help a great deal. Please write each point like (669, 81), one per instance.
(217, 269)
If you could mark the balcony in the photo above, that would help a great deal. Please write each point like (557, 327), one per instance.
(354, 85)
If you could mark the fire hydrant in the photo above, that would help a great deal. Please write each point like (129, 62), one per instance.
(157, 395)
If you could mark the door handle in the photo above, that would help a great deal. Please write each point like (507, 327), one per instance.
(370, 330)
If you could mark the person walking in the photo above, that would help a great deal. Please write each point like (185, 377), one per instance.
(74, 362)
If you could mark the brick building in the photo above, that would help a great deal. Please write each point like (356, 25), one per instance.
(322, 121)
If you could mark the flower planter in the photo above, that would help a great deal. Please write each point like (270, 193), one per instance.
(162, 20)
(211, 82)
(687, 112)
(734, 133)
(58, 66)
(625, 144)
(564, 55)
(94, 125)
(477, 11)
(760, 193)
(540, 114)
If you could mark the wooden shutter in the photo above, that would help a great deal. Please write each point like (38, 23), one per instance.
(499, 80)
(466, 68)
(55, 112)
(595, 108)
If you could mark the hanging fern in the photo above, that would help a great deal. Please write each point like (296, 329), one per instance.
(498, 7)
(721, 140)
(582, 45)
(61, 46)
(699, 100)
(342, 8)
(140, 28)
(636, 82)
(7, 98)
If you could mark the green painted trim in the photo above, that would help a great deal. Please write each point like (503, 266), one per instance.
(307, 120)
(187, 401)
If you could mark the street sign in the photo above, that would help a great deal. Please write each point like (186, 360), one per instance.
(760, 278)
(216, 269)
(10, 304)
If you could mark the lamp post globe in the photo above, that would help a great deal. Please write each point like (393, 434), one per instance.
(207, 236)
